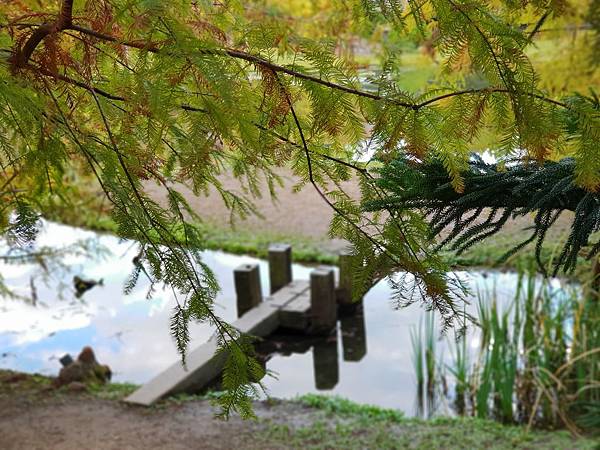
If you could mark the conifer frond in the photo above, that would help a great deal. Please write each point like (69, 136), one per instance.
(497, 193)
(117, 95)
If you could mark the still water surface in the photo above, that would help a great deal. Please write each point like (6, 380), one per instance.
(369, 362)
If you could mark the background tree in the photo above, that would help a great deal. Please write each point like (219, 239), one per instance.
(130, 92)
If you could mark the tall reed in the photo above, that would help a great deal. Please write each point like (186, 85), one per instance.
(425, 363)
(538, 361)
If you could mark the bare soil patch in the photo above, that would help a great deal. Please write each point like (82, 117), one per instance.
(75, 421)
(304, 213)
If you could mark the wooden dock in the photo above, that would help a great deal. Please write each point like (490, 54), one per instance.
(307, 306)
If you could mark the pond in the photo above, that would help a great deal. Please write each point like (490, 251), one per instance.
(370, 361)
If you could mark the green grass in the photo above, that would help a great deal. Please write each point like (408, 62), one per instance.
(11, 382)
(256, 243)
(348, 425)
(341, 407)
(434, 434)
(235, 241)
(112, 391)
(313, 251)
(34, 384)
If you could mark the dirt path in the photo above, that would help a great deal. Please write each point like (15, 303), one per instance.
(302, 213)
(76, 422)
(305, 214)
(34, 415)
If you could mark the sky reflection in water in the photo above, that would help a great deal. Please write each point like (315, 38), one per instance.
(131, 333)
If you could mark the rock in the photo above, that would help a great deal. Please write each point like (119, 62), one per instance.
(84, 370)
(77, 386)
(66, 360)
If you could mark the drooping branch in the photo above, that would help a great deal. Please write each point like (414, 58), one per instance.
(237, 54)
(441, 301)
(544, 191)
(276, 68)
(63, 21)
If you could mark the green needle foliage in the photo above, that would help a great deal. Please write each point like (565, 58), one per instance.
(493, 194)
(118, 95)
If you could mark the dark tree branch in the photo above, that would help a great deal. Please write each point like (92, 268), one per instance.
(63, 21)
(539, 24)
(256, 60)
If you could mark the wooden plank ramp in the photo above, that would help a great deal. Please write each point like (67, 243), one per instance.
(306, 306)
(203, 366)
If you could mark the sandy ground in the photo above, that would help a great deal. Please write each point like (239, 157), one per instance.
(77, 422)
(302, 213)
(305, 214)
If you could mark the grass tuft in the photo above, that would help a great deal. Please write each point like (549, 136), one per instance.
(334, 405)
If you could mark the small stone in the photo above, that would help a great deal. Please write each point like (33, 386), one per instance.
(85, 369)
(77, 386)
(66, 360)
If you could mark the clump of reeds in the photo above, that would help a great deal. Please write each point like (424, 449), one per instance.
(538, 362)
(425, 361)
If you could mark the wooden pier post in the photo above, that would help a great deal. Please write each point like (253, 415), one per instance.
(247, 287)
(323, 307)
(344, 290)
(280, 266)
(354, 337)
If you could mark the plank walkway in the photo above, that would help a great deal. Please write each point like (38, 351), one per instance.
(288, 307)
(305, 306)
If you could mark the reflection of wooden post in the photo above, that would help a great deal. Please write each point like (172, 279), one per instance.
(354, 339)
(323, 308)
(247, 287)
(325, 364)
(280, 266)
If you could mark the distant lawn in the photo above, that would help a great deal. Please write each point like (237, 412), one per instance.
(309, 250)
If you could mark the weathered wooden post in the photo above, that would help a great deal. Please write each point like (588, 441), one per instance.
(323, 307)
(247, 287)
(280, 266)
(344, 290)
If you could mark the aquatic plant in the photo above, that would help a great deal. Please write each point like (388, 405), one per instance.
(416, 338)
(426, 361)
(460, 369)
(539, 358)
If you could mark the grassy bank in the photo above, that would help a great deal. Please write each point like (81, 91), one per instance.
(235, 241)
(322, 422)
(308, 250)
(349, 425)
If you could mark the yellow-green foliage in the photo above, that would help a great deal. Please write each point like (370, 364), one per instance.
(123, 93)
